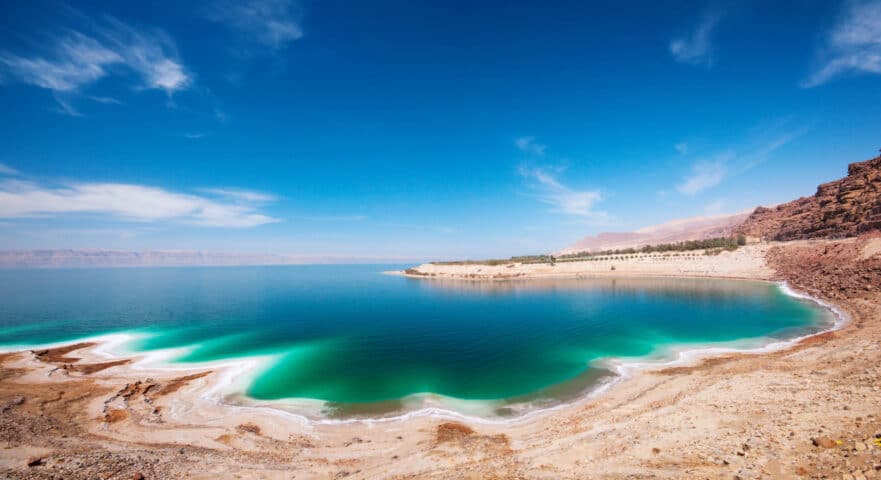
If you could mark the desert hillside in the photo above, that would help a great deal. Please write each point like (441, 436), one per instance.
(843, 208)
(695, 228)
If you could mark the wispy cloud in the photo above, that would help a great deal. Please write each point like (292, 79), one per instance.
(128, 202)
(7, 170)
(195, 135)
(242, 195)
(270, 23)
(852, 46)
(332, 218)
(72, 61)
(150, 53)
(105, 100)
(530, 146)
(221, 115)
(696, 48)
(681, 147)
(760, 154)
(76, 60)
(562, 198)
(705, 174)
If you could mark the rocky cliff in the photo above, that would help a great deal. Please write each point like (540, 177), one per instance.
(843, 208)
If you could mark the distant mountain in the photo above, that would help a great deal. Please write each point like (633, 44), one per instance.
(159, 258)
(843, 208)
(694, 228)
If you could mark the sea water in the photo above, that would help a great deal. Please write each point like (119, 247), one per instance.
(365, 343)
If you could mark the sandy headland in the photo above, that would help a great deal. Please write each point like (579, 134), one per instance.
(747, 262)
(810, 410)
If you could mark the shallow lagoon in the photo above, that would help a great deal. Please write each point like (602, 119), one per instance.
(367, 343)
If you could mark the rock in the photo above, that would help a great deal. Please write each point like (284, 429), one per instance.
(859, 446)
(843, 208)
(35, 461)
(824, 442)
(139, 476)
(16, 401)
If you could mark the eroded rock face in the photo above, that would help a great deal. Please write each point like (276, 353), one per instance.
(847, 269)
(843, 208)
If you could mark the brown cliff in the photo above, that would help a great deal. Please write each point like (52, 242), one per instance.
(844, 208)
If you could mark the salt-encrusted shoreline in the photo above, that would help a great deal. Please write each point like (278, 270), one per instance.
(230, 377)
(691, 418)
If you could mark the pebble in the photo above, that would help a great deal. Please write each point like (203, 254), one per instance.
(824, 442)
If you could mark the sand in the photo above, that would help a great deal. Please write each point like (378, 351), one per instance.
(811, 410)
(747, 262)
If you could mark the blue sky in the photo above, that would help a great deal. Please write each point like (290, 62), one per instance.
(419, 130)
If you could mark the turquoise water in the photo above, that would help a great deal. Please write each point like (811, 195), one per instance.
(362, 341)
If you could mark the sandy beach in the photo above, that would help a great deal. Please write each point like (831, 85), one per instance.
(810, 410)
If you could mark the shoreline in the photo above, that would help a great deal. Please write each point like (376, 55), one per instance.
(243, 369)
(745, 263)
(707, 412)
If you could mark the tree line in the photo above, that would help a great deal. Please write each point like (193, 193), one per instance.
(716, 245)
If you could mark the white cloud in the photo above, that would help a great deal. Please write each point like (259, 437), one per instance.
(704, 175)
(852, 46)
(73, 61)
(696, 48)
(77, 60)
(563, 199)
(332, 218)
(105, 100)
(681, 147)
(270, 23)
(221, 115)
(760, 155)
(238, 194)
(137, 203)
(707, 173)
(7, 170)
(195, 135)
(64, 106)
(529, 145)
(152, 54)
